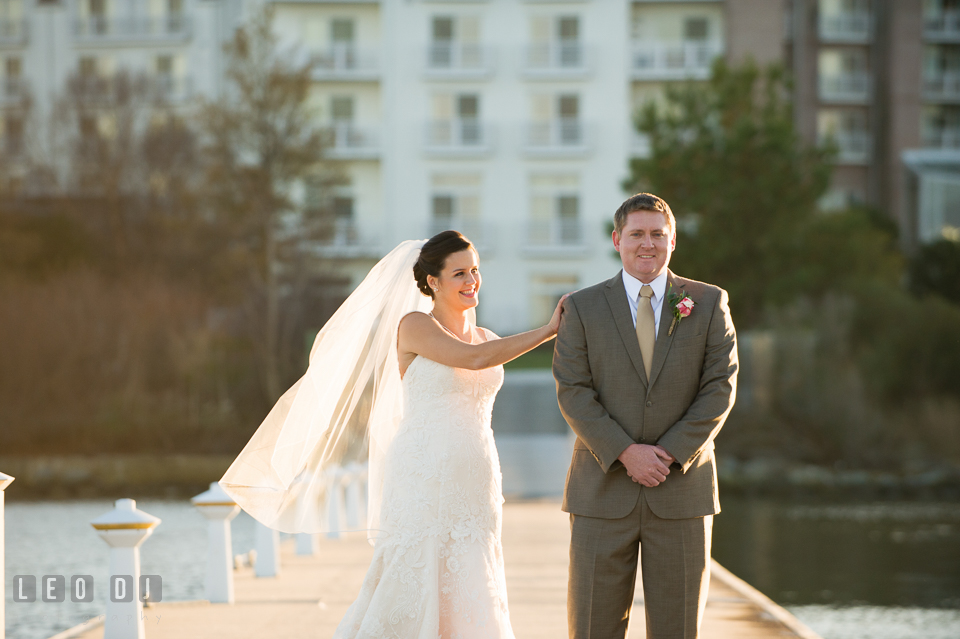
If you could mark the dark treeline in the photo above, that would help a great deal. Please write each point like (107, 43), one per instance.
(156, 278)
(851, 348)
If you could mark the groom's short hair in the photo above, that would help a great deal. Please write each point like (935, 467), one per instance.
(643, 202)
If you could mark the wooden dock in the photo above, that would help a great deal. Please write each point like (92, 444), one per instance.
(311, 594)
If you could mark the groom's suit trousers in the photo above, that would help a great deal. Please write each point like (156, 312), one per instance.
(603, 570)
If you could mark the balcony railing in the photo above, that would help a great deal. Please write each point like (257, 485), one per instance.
(946, 137)
(662, 60)
(853, 26)
(455, 60)
(13, 32)
(556, 137)
(555, 236)
(944, 86)
(943, 28)
(345, 62)
(459, 136)
(98, 28)
(854, 147)
(848, 87)
(343, 239)
(555, 59)
(345, 140)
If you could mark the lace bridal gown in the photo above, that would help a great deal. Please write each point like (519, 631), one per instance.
(437, 570)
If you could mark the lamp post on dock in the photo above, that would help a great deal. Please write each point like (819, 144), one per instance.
(219, 508)
(5, 480)
(124, 528)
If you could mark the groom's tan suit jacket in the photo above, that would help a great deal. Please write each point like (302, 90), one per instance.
(606, 398)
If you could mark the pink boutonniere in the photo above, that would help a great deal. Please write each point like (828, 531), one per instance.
(682, 307)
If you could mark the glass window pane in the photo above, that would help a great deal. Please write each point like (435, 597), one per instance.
(568, 28)
(442, 207)
(695, 29)
(468, 106)
(341, 30)
(442, 28)
(341, 108)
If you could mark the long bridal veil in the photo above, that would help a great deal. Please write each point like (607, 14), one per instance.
(346, 406)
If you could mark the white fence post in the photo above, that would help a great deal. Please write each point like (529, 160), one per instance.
(124, 528)
(356, 495)
(5, 481)
(219, 508)
(334, 502)
(268, 551)
(306, 544)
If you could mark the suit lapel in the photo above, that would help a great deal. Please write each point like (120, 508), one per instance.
(664, 341)
(617, 299)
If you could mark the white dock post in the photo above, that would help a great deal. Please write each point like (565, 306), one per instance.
(268, 551)
(124, 528)
(219, 508)
(5, 480)
(352, 492)
(306, 544)
(334, 502)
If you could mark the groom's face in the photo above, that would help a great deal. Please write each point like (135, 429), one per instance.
(645, 244)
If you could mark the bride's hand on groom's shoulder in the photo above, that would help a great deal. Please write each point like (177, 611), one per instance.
(554, 324)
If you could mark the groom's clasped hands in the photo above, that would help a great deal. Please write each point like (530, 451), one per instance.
(646, 465)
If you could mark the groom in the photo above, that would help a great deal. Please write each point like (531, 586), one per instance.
(646, 386)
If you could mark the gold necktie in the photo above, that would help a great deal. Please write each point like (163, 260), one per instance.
(646, 332)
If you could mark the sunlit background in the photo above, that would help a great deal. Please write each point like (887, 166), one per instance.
(189, 188)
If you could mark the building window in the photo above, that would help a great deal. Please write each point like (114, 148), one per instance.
(456, 122)
(568, 36)
(455, 204)
(555, 211)
(545, 293)
(848, 130)
(341, 108)
(342, 30)
(13, 135)
(88, 67)
(343, 208)
(555, 43)
(556, 123)
(696, 29)
(455, 43)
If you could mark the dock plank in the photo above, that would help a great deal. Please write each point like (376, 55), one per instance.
(312, 594)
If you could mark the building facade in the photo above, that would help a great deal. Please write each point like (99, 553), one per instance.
(512, 120)
(881, 79)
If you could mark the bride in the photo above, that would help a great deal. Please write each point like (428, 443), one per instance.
(435, 499)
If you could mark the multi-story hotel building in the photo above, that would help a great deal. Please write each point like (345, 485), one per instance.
(882, 79)
(511, 120)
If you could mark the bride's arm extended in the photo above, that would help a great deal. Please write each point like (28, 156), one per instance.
(423, 335)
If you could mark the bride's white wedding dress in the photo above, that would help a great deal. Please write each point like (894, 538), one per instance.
(437, 569)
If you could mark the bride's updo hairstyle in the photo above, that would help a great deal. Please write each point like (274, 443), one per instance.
(433, 257)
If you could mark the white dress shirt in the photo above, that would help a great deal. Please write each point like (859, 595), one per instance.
(659, 286)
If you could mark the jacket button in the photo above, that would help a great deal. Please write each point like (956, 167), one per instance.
(649, 404)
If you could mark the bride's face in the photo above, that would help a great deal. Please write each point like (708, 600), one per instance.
(459, 283)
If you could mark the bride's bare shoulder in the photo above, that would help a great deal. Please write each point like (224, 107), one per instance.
(416, 319)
